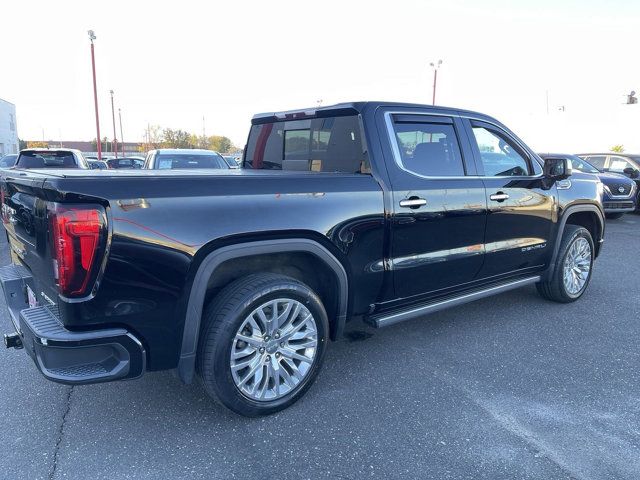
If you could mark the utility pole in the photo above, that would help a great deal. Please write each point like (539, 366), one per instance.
(121, 134)
(92, 37)
(436, 67)
(114, 144)
(547, 102)
(204, 136)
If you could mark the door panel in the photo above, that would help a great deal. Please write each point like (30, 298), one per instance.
(439, 211)
(518, 228)
(520, 211)
(437, 245)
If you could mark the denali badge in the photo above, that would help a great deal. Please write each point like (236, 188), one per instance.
(534, 247)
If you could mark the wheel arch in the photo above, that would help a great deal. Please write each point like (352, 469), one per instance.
(216, 259)
(588, 216)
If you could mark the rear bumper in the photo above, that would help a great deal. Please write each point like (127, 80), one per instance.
(66, 356)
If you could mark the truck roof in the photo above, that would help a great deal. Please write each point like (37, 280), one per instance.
(355, 108)
(190, 151)
(45, 149)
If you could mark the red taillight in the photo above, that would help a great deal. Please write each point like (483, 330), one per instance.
(77, 239)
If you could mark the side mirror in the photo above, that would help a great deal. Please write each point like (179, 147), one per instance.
(557, 168)
(631, 172)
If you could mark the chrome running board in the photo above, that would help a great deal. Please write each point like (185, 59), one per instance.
(401, 316)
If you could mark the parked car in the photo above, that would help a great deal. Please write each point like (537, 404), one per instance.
(126, 162)
(231, 161)
(8, 161)
(176, 158)
(380, 211)
(620, 192)
(97, 165)
(50, 158)
(624, 163)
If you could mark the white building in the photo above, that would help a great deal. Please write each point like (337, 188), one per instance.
(8, 128)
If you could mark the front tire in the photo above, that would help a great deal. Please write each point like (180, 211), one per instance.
(573, 268)
(263, 343)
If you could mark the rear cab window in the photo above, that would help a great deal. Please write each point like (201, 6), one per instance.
(171, 161)
(328, 144)
(47, 159)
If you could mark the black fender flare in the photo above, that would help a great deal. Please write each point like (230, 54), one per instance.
(562, 223)
(195, 306)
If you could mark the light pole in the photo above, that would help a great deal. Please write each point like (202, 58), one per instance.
(436, 67)
(121, 135)
(113, 117)
(92, 37)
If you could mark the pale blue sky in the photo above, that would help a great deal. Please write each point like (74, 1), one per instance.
(229, 59)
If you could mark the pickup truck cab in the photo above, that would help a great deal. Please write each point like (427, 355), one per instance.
(380, 211)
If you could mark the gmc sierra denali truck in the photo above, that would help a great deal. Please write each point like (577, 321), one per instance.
(379, 211)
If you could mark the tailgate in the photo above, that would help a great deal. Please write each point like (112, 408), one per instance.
(24, 216)
(60, 244)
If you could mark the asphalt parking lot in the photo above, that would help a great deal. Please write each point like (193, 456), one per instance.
(504, 388)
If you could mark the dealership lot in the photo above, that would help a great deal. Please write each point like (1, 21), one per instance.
(507, 387)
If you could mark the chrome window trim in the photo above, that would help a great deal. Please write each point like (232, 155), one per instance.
(395, 149)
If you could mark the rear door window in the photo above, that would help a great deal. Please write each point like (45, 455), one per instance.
(429, 149)
(331, 144)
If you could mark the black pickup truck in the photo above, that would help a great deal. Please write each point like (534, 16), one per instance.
(378, 211)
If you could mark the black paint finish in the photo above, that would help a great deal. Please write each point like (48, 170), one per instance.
(162, 226)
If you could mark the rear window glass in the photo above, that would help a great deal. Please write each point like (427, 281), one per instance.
(47, 160)
(169, 161)
(332, 144)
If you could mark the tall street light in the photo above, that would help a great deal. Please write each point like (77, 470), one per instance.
(92, 37)
(436, 67)
(121, 134)
(113, 117)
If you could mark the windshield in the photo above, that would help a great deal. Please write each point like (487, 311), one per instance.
(8, 161)
(190, 160)
(582, 165)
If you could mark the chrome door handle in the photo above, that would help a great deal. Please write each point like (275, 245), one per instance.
(413, 202)
(499, 197)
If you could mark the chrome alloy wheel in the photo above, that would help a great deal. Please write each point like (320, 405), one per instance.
(577, 265)
(274, 349)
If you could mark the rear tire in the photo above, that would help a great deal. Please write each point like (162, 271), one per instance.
(613, 216)
(573, 267)
(262, 343)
